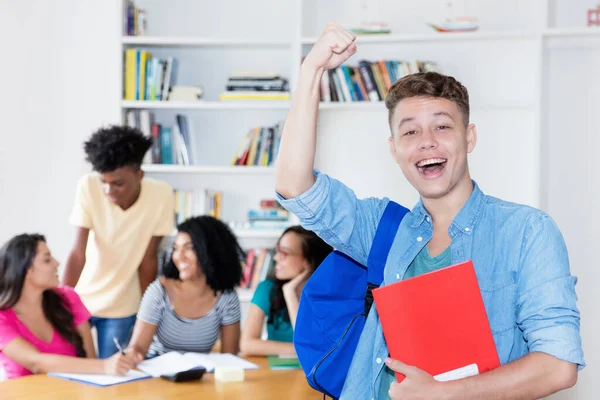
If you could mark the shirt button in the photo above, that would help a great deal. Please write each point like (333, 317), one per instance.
(467, 229)
(419, 239)
(427, 218)
(397, 276)
(378, 361)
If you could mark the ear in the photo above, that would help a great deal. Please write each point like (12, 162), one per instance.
(392, 147)
(471, 137)
(139, 174)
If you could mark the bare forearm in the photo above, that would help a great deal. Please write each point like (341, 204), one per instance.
(148, 271)
(73, 269)
(534, 376)
(296, 157)
(55, 363)
(258, 347)
(292, 303)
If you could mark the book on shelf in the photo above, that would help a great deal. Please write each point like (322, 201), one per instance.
(369, 81)
(135, 20)
(259, 265)
(171, 144)
(191, 203)
(259, 146)
(256, 86)
(147, 77)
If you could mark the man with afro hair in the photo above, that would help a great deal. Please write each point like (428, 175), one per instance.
(120, 218)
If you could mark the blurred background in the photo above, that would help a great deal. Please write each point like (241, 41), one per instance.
(212, 81)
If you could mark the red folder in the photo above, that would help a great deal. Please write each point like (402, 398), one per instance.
(437, 321)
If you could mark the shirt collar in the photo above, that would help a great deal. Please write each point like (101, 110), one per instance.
(467, 217)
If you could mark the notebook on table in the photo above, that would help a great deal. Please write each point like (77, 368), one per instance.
(283, 362)
(102, 380)
(173, 362)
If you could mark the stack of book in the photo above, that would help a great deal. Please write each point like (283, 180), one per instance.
(191, 203)
(136, 20)
(270, 215)
(256, 86)
(147, 77)
(172, 144)
(259, 146)
(258, 266)
(369, 81)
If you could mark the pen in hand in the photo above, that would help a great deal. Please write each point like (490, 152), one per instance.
(116, 341)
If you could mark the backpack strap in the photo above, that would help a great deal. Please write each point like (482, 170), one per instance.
(384, 237)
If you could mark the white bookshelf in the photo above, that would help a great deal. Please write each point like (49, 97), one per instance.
(502, 64)
(436, 37)
(207, 169)
(572, 32)
(206, 105)
(200, 41)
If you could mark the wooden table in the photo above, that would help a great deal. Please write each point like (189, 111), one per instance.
(262, 384)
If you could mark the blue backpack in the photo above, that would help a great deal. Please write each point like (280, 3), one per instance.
(334, 306)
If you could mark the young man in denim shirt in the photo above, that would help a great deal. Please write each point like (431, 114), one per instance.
(518, 252)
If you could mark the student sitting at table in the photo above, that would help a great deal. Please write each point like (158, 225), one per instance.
(195, 303)
(299, 252)
(44, 327)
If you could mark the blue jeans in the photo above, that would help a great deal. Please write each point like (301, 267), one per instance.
(109, 328)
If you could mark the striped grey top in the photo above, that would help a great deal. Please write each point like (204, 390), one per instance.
(175, 333)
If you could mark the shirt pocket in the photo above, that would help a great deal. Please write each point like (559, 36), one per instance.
(499, 298)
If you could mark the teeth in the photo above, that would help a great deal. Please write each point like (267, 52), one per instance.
(430, 161)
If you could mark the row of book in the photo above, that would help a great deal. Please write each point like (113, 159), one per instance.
(256, 86)
(190, 203)
(147, 77)
(172, 144)
(259, 146)
(259, 265)
(136, 20)
(369, 81)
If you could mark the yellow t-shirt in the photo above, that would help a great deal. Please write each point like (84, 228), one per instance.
(109, 284)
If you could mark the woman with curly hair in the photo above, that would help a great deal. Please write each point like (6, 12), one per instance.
(44, 327)
(120, 217)
(195, 302)
(299, 253)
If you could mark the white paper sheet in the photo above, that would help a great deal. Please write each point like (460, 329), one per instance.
(172, 362)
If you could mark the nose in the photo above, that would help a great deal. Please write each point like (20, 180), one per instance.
(428, 141)
(277, 257)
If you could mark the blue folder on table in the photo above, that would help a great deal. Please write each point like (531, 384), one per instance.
(102, 380)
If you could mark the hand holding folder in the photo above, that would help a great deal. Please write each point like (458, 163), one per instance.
(438, 323)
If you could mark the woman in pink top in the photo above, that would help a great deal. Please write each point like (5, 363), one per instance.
(43, 327)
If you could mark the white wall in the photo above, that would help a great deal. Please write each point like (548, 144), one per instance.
(572, 195)
(60, 81)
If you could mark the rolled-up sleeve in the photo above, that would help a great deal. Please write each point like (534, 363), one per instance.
(332, 210)
(547, 303)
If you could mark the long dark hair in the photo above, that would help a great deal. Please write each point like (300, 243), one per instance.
(16, 257)
(219, 254)
(314, 250)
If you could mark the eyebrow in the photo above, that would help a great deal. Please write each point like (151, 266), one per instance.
(405, 120)
(437, 114)
(441, 113)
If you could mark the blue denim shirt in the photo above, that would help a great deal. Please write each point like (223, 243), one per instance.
(519, 256)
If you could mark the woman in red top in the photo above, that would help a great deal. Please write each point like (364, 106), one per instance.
(43, 327)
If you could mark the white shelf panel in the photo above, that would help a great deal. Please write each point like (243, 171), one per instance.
(435, 37)
(206, 105)
(358, 105)
(258, 233)
(200, 41)
(207, 169)
(566, 32)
